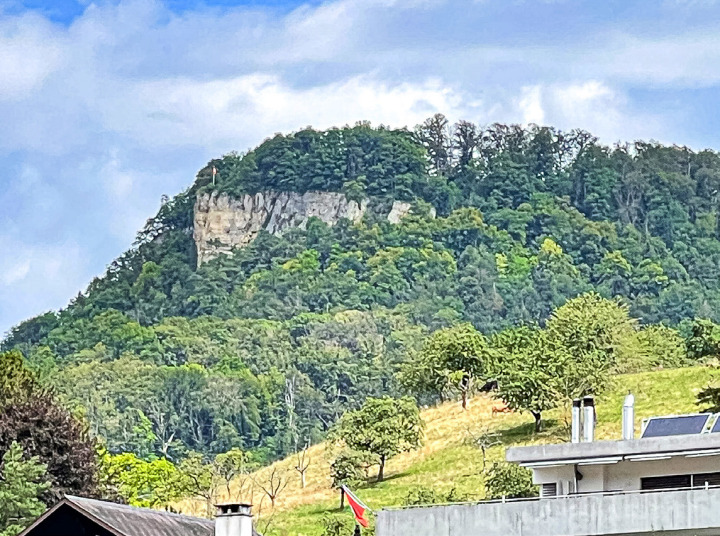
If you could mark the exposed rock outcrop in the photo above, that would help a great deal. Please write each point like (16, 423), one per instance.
(223, 223)
(399, 210)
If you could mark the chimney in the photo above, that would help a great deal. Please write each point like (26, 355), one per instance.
(576, 431)
(233, 520)
(589, 418)
(628, 417)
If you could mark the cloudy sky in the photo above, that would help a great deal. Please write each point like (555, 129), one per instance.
(105, 106)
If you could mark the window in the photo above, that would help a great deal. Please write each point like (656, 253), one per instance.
(666, 482)
(712, 479)
(680, 481)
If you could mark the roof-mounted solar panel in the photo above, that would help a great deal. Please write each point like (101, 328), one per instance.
(679, 425)
(716, 426)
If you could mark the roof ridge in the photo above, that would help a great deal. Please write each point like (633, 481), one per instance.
(145, 511)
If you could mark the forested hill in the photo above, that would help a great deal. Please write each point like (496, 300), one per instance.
(265, 348)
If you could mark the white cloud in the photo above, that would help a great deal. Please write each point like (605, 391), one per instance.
(101, 117)
(26, 57)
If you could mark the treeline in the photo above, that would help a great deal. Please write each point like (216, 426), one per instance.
(263, 350)
(210, 385)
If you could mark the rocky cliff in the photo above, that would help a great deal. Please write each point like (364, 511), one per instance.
(223, 223)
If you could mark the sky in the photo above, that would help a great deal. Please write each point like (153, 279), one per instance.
(105, 106)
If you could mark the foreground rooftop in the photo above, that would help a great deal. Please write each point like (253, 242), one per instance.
(614, 451)
(660, 512)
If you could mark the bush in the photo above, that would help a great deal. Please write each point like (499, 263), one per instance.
(423, 495)
(335, 525)
(510, 481)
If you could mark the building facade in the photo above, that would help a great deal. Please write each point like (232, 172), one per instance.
(665, 483)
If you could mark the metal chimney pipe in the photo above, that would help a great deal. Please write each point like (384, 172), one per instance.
(233, 520)
(576, 429)
(628, 417)
(589, 418)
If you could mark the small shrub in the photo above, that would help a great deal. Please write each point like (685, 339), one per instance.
(337, 525)
(420, 496)
(423, 495)
(510, 481)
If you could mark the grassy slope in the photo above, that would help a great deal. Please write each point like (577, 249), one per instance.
(447, 461)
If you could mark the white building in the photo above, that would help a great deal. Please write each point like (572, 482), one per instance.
(665, 483)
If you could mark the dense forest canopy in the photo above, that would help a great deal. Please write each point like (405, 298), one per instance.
(265, 349)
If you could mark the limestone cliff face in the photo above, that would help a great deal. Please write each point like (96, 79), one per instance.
(223, 223)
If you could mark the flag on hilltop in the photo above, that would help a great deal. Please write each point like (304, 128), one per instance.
(357, 507)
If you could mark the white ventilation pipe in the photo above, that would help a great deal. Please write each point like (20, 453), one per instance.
(576, 429)
(628, 417)
(233, 520)
(589, 419)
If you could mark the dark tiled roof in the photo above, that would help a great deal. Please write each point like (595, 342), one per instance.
(131, 521)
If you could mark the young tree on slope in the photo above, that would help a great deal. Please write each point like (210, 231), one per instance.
(528, 371)
(454, 356)
(383, 427)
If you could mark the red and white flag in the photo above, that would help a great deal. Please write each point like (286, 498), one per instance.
(357, 507)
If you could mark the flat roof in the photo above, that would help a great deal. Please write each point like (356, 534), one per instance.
(600, 452)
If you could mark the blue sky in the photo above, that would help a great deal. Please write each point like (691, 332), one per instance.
(105, 106)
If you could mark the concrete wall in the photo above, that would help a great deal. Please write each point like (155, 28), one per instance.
(673, 512)
(624, 475)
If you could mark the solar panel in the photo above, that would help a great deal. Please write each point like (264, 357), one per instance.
(716, 426)
(670, 426)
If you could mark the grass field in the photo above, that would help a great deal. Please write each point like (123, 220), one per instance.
(449, 459)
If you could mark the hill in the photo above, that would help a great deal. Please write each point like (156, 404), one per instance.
(291, 282)
(450, 461)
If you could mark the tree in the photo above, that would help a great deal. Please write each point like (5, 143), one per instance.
(22, 484)
(510, 481)
(273, 485)
(207, 480)
(148, 484)
(710, 398)
(32, 417)
(434, 135)
(463, 351)
(588, 334)
(484, 439)
(302, 463)
(383, 427)
(528, 371)
(349, 468)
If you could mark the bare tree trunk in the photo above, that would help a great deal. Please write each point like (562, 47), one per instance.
(381, 471)
(538, 420)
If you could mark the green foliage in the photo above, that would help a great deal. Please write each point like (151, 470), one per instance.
(530, 371)
(663, 347)
(709, 399)
(510, 481)
(265, 349)
(350, 468)
(422, 495)
(383, 427)
(137, 482)
(337, 525)
(704, 341)
(588, 333)
(22, 485)
(450, 357)
(33, 418)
